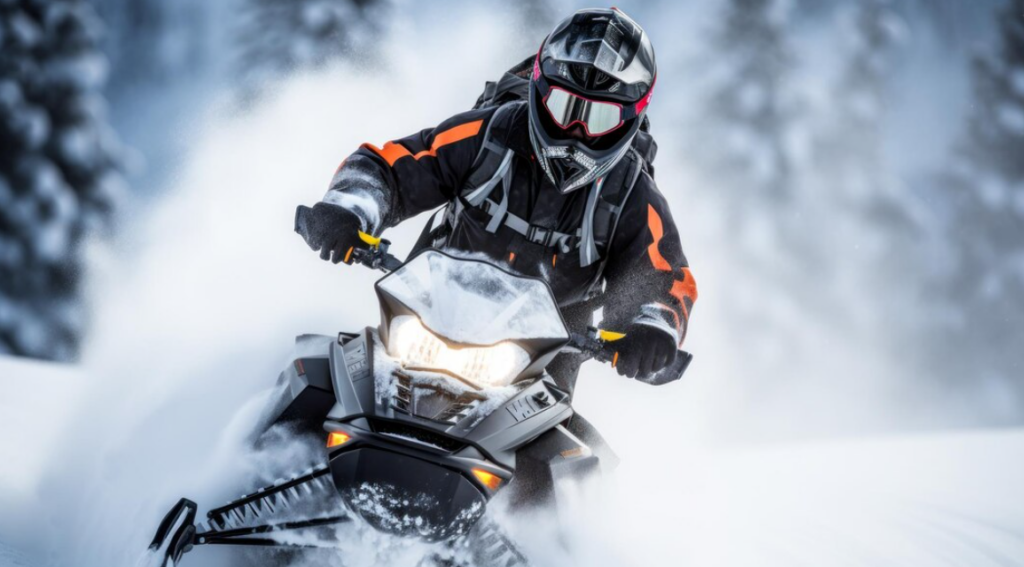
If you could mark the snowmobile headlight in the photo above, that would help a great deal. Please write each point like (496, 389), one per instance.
(417, 348)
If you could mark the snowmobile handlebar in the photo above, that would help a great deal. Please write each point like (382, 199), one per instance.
(595, 344)
(376, 257)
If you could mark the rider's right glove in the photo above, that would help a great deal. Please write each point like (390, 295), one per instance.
(643, 351)
(332, 230)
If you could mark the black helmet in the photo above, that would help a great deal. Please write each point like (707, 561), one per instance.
(591, 84)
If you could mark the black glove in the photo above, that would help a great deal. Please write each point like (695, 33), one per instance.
(331, 229)
(643, 351)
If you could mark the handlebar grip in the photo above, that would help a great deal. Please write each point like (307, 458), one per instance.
(670, 373)
(302, 213)
(390, 263)
(376, 256)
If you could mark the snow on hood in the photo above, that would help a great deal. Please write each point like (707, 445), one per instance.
(474, 302)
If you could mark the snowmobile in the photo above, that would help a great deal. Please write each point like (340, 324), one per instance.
(424, 418)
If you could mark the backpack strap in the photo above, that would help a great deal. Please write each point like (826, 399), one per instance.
(493, 165)
(613, 200)
(608, 212)
(513, 85)
(588, 246)
(492, 168)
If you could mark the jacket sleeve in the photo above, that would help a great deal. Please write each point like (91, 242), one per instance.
(647, 278)
(386, 185)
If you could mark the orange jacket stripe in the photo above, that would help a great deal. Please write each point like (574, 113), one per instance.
(452, 135)
(392, 152)
(657, 231)
(686, 287)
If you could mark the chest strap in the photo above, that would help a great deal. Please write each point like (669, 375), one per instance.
(493, 151)
(582, 238)
(534, 233)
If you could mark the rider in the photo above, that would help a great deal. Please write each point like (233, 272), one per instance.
(559, 186)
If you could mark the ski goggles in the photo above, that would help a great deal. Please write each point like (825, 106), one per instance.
(597, 117)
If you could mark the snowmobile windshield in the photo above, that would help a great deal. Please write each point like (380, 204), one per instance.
(473, 302)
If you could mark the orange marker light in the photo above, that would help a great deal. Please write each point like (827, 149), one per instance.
(336, 438)
(489, 480)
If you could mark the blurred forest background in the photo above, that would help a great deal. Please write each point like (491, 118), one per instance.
(853, 167)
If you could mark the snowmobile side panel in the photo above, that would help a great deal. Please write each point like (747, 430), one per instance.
(540, 465)
(352, 375)
(524, 417)
(310, 390)
(304, 390)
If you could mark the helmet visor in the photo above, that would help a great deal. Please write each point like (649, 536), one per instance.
(597, 117)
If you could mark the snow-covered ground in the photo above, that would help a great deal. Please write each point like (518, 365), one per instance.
(34, 409)
(944, 499)
(941, 499)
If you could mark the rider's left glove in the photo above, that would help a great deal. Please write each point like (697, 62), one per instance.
(332, 230)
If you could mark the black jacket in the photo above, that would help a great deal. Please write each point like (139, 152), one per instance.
(643, 272)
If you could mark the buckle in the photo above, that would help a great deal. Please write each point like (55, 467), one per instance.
(566, 244)
(544, 234)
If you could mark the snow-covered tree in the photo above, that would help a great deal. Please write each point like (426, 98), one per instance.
(985, 194)
(154, 42)
(748, 129)
(852, 144)
(60, 171)
(278, 37)
(751, 103)
(855, 198)
(742, 141)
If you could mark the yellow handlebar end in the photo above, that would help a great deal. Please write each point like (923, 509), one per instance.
(609, 336)
(369, 239)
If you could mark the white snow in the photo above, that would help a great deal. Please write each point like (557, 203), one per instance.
(36, 402)
(923, 500)
(362, 203)
(928, 500)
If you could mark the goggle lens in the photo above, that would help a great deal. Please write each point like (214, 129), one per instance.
(597, 117)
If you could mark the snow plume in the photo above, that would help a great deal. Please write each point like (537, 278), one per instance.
(199, 305)
(203, 298)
